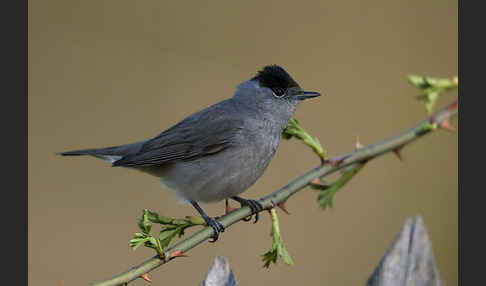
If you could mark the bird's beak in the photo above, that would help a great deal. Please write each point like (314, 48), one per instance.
(307, 95)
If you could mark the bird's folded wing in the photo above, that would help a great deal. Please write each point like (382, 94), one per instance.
(197, 136)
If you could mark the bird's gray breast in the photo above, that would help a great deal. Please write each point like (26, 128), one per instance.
(226, 173)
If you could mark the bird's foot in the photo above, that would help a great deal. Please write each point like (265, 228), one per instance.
(217, 227)
(212, 222)
(255, 207)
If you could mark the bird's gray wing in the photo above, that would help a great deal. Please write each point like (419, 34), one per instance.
(204, 133)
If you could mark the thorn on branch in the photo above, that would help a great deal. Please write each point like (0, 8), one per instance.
(446, 125)
(177, 253)
(282, 207)
(319, 184)
(358, 144)
(398, 153)
(146, 277)
(452, 107)
(337, 161)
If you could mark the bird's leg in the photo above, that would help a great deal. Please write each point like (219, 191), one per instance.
(255, 206)
(216, 225)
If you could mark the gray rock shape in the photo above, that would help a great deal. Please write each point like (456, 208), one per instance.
(219, 274)
(409, 260)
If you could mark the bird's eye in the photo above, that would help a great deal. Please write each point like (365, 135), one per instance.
(278, 92)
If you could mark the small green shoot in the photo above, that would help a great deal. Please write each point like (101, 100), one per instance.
(173, 227)
(293, 129)
(432, 88)
(278, 247)
(327, 191)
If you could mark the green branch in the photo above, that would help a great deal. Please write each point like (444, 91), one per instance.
(361, 155)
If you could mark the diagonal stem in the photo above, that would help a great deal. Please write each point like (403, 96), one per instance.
(364, 154)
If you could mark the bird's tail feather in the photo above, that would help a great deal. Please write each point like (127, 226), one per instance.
(110, 154)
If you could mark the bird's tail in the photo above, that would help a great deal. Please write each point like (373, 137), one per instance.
(110, 154)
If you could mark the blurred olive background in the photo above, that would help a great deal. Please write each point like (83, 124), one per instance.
(105, 72)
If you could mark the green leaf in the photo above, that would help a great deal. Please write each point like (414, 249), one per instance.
(156, 218)
(291, 129)
(270, 257)
(166, 236)
(431, 88)
(136, 242)
(139, 235)
(155, 244)
(179, 222)
(196, 220)
(285, 255)
(431, 100)
(152, 241)
(143, 223)
(326, 197)
(417, 81)
(181, 232)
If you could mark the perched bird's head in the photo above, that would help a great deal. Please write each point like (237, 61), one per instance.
(281, 85)
(272, 91)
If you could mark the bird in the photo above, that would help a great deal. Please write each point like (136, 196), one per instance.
(220, 151)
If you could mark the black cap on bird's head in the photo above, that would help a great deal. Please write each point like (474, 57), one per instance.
(274, 76)
(281, 83)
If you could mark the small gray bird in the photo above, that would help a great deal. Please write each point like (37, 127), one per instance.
(220, 151)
